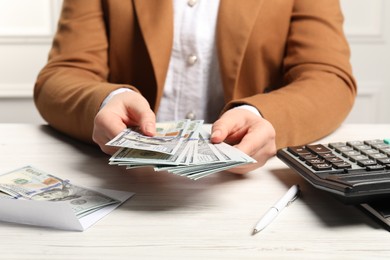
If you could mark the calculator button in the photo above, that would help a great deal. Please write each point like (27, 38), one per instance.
(344, 149)
(358, 158)
(380, 146)
(385, 150)
(327, 155)
(370, 152)
(355, 143)
(378, 156)
(373, 142)
(322, 166)
(384, 161)
(368, 162)
(362, 147)
(338, 144)
(296, 150)
(376, 167)
(351, 153)
(342, 165)
(306, 157)
(334, 160)
(318, 148)
(315, 161)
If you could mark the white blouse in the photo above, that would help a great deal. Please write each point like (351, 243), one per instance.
(193, 87)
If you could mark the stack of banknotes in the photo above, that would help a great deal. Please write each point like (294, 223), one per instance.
(180, 147)
(29, 183)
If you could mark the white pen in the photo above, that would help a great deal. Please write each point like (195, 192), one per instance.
(291, 195)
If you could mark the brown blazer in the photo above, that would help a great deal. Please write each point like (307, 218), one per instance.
(288, 58)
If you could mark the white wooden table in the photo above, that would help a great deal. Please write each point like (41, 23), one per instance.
(172, 217)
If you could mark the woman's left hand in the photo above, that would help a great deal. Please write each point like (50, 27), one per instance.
(250, 133)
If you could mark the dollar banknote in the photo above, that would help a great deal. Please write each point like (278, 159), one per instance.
(167, 140)
(82, 201)
(27, 181)
(194, 156)
(30, 183)
(133, 156)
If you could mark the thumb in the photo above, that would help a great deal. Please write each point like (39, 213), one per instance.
(219, 131)
(141, 113)
(147, 123)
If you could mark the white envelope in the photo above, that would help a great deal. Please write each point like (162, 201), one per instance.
(56, 214)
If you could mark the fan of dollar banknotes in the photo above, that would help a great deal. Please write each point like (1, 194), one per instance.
(180, 147)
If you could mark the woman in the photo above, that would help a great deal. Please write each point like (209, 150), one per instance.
(277, 73)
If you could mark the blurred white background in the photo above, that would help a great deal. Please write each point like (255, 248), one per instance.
(27, 27)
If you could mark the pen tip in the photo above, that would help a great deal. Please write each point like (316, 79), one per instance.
(255, 231)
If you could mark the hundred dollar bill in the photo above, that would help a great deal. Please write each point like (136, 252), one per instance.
(30, 183)
(27, 181)
(81, 200)
(140, 157)
(135, 157)
(168, 138)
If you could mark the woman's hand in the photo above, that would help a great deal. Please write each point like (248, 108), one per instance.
(248, 132)
(122, 110)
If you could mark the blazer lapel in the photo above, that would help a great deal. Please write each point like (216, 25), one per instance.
(235, 22)
(156, 22)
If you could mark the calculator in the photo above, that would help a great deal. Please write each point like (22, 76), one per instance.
(355, 171)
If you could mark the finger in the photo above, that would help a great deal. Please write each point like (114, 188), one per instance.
(251, 142)
(259, 137)
(222, 128)
(142, 114)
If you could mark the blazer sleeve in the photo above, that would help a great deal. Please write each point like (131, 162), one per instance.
(318, 89)
(71, 87)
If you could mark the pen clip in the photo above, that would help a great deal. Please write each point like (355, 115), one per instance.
(295, 197)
